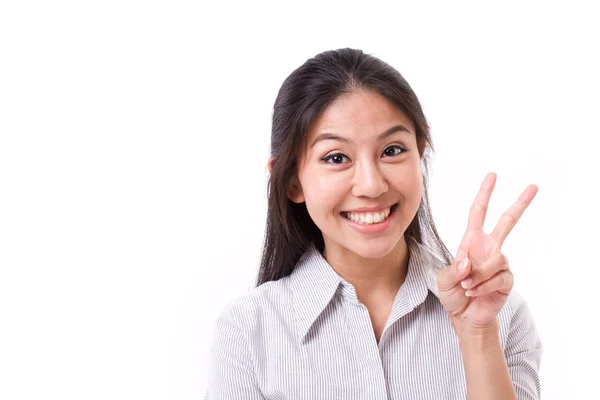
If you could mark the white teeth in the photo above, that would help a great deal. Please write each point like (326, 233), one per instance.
(368, 218)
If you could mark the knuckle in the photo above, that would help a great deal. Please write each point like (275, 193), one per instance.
(511, 276)
(509, 217)
(478, 207)
(501, 259)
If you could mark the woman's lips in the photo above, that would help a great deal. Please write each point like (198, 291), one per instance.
(376, 227)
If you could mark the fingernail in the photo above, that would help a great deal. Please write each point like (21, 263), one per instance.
(466, 283)
(463, 264)
(470, 293)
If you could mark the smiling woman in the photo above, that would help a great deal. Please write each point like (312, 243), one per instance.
(357, 296)
(361, 169)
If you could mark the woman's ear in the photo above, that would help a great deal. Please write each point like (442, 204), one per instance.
(270, 163)
(294, 189)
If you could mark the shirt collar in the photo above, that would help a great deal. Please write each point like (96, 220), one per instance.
(314, 283)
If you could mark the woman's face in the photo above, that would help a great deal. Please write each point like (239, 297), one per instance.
(361, 153)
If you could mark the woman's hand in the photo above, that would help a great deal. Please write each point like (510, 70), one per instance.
(474, 295)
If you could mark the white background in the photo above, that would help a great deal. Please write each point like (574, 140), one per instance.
(133, 145)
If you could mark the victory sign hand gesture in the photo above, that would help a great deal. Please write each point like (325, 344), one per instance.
(475, 287)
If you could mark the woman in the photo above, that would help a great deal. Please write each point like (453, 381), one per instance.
(357, 296)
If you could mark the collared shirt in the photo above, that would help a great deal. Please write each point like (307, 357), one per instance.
(307, 336)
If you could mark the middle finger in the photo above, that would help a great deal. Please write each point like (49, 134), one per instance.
(510, 218)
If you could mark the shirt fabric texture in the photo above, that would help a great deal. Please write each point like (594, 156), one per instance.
(307, 336)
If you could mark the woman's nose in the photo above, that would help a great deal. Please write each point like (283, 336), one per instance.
(368, 181)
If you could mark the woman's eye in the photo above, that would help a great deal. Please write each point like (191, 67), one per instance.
(391, 150)
(337, 158)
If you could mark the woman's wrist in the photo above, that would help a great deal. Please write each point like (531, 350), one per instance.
(477, 337)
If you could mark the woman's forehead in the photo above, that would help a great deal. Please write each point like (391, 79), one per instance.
(359, 113)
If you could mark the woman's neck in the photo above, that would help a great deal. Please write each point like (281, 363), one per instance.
(371, 277)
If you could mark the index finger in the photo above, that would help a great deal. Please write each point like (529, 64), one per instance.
(480, 205)
(509, 219)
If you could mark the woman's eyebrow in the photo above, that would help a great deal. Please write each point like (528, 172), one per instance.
(331, 136)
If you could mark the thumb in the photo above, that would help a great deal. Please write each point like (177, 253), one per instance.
(449, 277)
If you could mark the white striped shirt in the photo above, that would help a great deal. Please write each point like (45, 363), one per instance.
(307, 336)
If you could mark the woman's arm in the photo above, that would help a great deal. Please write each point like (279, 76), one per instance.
(494, 371)
(231, 374)
(486, 369)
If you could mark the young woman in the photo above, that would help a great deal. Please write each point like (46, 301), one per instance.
(357, 296)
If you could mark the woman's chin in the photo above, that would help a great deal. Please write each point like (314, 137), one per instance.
(372, 249)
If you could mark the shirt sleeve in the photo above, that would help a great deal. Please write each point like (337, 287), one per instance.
(523, 353)
(231, 374)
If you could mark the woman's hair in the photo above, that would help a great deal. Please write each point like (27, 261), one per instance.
(302, 97)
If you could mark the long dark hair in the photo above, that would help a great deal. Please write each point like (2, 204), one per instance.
(302, 96)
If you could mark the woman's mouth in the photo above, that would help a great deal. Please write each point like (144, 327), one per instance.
(369, 218)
